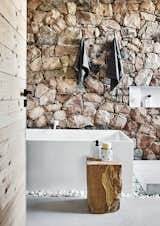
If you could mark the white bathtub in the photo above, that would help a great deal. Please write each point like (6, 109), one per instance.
(56, 158)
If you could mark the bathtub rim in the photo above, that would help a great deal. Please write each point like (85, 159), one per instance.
(40, 135)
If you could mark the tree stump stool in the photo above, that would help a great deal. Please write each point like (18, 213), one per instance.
(103, 186)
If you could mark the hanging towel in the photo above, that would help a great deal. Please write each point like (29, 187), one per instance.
(115, 67)
(82, 64)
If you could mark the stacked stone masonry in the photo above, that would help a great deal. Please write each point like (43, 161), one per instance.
(54, 32)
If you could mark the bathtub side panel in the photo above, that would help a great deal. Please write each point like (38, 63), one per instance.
(61, 165)
(57, 165)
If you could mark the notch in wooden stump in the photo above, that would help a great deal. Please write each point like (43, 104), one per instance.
(104, 186)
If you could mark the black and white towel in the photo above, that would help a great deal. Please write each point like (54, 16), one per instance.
(115, 68)
(82, 64)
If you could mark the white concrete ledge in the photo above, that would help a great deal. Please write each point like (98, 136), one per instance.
(148, 174)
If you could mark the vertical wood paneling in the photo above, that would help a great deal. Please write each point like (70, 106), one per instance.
(12, 112)
(12, 15)
(11, 63)
(13, 41)
(10, 87)
(21, 7)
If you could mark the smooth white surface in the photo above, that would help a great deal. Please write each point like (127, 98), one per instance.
(148, 174)
(137, 94)
(74, 135)
(67, 212)
(56, 159)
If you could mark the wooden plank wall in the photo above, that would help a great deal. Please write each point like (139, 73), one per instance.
(12, 112)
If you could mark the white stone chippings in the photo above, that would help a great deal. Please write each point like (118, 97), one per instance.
(59, 193)
(138, 192)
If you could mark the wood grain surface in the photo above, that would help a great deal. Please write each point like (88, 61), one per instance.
(12, 112)
(104, 186)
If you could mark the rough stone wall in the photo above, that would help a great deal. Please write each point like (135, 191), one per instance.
(54, 31)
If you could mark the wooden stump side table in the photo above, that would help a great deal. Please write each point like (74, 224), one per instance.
(103, 186)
